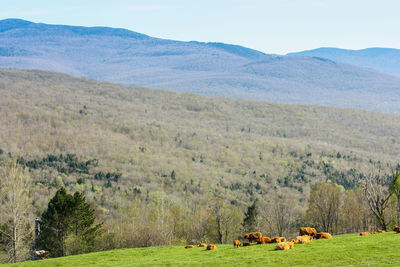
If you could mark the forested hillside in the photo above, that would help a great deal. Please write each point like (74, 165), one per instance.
(160, 160)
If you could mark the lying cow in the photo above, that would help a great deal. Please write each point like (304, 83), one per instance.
(323, 236)
(284, 246)
(365, 233)
(211, 247)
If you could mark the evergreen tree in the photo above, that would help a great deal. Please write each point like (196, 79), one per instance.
(67, 216)
(250, 218)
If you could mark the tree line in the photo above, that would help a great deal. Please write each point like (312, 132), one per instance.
(71, 225)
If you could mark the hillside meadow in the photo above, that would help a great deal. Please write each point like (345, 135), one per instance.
(341, 250)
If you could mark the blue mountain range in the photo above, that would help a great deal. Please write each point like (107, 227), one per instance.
(215, 69)
(386, 60)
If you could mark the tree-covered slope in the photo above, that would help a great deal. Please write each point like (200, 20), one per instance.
(155, 161)
(216, 69)
(210, 143)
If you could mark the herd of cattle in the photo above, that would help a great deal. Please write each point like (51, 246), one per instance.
(306, 235)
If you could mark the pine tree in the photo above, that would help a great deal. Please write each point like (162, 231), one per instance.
(67, 216)
(250, 218)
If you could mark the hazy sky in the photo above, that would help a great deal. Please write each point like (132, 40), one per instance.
(272, 26)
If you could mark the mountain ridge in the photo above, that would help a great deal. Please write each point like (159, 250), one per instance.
(216, 69)
(386, 60)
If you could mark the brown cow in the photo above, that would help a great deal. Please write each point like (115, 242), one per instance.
(275, 240)
(365, 233)
(396, 229)
(263, 240)
(303, 239)
(246, 244)
(189, 246)
(249, 236)
(381, 231)
(323, 236)
(211, 247)
(257, 235)
(284, 246)
(236, 244)
(266, 239)
(202, 245)
(253, 236)
(260, 241)
(307, 231)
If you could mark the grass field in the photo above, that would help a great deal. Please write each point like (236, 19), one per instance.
(342, 250)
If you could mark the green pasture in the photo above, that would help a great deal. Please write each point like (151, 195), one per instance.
(343, 250)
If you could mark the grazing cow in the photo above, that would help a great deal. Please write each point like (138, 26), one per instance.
(323, 236)
(365, 233)
(396, 229)
(381, 231)
(307, 231)
(189, 246)
(236, 244)
(211, 247)
(284, 246)
(202, 245)
(246, 244)
(249, 236)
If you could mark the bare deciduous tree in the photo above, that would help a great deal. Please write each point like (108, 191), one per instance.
(324, 206)
(355, 213)
(227, 220)
(15, 189)
(280, 214)
(377, 194)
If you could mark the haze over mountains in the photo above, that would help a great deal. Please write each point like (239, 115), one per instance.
(383, 59)
(217, 69)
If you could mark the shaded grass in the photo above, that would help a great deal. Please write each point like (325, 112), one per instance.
(342, 250)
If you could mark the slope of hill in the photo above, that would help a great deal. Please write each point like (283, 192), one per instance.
(386, 60)
(215, 69)
(215, 147)
(342, 250)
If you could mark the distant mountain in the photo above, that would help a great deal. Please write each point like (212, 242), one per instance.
(127, 57)
(383, 59)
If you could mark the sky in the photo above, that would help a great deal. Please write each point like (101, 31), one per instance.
(271, 26)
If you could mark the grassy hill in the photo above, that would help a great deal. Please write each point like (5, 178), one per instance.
(152, 158)
(342, 250)
(122, 56)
